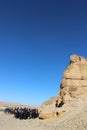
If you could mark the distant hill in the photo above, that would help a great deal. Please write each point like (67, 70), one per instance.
(12, 104)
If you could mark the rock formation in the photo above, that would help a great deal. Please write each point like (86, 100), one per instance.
(74, 83)
(73, 86)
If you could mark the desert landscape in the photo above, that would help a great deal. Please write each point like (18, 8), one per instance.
(43, 64)
(75, 118)
(67, 111)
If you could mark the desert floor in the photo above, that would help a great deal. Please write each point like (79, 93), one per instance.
(73, 119)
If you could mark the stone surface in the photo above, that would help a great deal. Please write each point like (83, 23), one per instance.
(73, 87)
(47, 109)
(47, 114)
(74, 83)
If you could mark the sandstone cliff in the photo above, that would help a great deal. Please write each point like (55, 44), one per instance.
(74, 83)
(72, 88)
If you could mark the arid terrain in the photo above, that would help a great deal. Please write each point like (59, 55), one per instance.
(75, 118)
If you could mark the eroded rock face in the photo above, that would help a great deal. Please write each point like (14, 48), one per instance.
(50, 114)
(73, 87)
(47, 114)
(74, 83)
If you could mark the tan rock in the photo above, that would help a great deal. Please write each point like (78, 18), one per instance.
(50, 114)
(74, 83)
(73, 87)
(47, 114)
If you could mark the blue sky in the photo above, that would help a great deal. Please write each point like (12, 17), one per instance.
(37, 38)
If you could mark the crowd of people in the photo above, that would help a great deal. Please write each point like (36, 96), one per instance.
(23, 113)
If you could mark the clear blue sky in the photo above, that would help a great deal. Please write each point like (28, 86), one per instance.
(37, 38)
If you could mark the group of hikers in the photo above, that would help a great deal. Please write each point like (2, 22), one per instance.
(23, 113)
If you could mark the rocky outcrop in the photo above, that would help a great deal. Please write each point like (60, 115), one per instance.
(74, 83)
(48, 109)
(73, 87)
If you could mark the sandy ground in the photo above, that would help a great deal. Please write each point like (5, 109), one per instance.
(73, 119)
